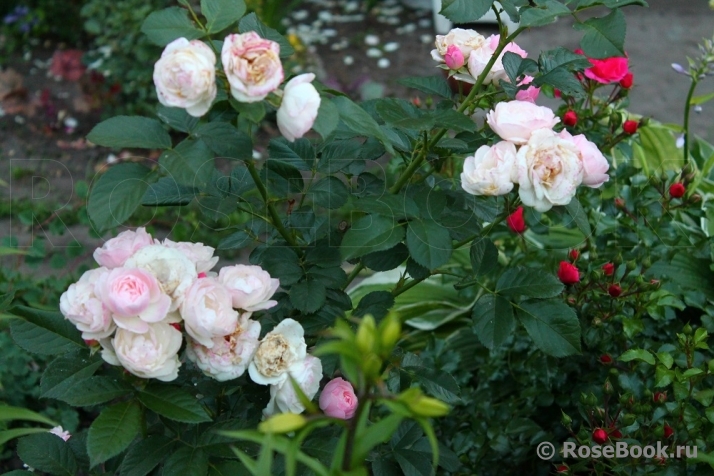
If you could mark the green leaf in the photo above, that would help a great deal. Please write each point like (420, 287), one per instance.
(637, 354)
(44, 332)
(166, 192)
(164, 26)
(553, 326)
(666, 359)
(429, 243)
(369, 234)
(579, 216)
(187, 461)
(493, 320)
(253, 111)
(177, 118)
(428, 84)
(221, 13)
(225, 140)
(237, 240)
(359, 121)
(300, 154)
(438, 384)
(483, 255)
(546, 11)
(378, 433)
(387, 259)
(535, 283)
(604, 37)
(130, 131)
(112, 431)
(66, 371)
(94, 390)
(283, 262)
(376, 303)
(190, 163)
(144, 455)
(704, 98)
(328, 117)
(49, 453)
(174, 403)
(454, 120)
(117, 194)
(9, 413)
(329, 192)
(663, 377)
(251, 22)
(7, 435)
(308, 296)
(465, 11)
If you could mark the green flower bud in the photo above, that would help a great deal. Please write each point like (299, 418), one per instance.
(565, 419)
(628, 419)
(366, 334)
(282, 423)
(608, 388)
(390, 330)
(631, 265)
(646, 263)
(687, 330)
(614, 372)
(711, 366)
(583, 398)
(618, 260)
(592, 400)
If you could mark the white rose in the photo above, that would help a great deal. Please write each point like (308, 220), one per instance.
(172, 268)
(230, 355)
(298, 110)
(153, 354)
(185, 76)
(252, 65)
(83, 308)
(200, 254)
(549, 170)
(116, 251)
(250, 286)
(465, 40)
(283, 399)
(595, 165)
(279, 349)
(515, 121)
(491, 170)
(208, 312)
(480, 57)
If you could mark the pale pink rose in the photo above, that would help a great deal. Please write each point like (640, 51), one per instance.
(338, 399)
(298, 110)
(134, 297)
(116, 251)
(549, 170)
(252, 65)
(491, 170)
(185, 76)
(250, 286)
(465, 40)
(200, 254)
(307, 375)
(230, 355)
(83, 308)
(454, 58)
(515, 121)
(59, 431)
(478, 60)
(595, 165)
(529, 94)
(277, 352)
(208, 312)
(153, 354)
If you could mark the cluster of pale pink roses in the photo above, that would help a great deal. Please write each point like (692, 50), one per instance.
(145, 292)
(185, 77)
(547, 166)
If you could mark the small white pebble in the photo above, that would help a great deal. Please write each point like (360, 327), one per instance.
(371, 40)
(257, 155)
(348, 60)
(351, 7)
(391, 12)
(392, 20)
(324, 16)
(391, 46)
(426, 39)
(383, 63)
(329, 32)
(19, 119)
(71, 122)
(300, 15)
(409, 27)
(424, 23)
(374, 53)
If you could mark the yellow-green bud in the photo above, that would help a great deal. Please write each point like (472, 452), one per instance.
(390, 330)
(366, 334)
(687, 330)
(371, 365)
(282, 423)
(565, 419)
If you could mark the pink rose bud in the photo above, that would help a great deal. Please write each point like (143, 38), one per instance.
(338, 399)
(454, 58)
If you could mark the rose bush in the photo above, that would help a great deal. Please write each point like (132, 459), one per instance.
(371, 324)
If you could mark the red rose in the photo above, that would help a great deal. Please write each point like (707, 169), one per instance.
(516, 222)
(659, 397)
(677, 190)
(608, 269)
(562, 469)
(668, 431)
(567, 273)
(630, 127)
(606, 359)
(614, 290)
(607, 70)
(570, 118)
(599, 436)
(626, 82)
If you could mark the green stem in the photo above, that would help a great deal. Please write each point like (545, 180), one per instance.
(275, 218)
(687, 110)
(353, 274)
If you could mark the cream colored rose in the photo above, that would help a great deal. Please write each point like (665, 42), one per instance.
(207, 311)
(185, 76)
(174, 270)
(200, 254)
(279, 349)
(230, 355)
(549, 170)
(491, 170)
(116, 251)
(252, 65)
(153, 354)
(298, 110)
(307, 375)
(250, 286)
(82, 307)
(515, 121)
(465, 40)
(595, 165)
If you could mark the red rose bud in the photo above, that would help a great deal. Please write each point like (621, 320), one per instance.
(567, 273)
(557, 93)
(626, 82)
(606, 359)
(202, 275)
(574, 255)
(608, 269)
(615, 433)
(614, 290)
(562, 469)
(630, 127)
(677, 190)
(619, 203)
(659, 397)
(176, 326)
(599, 436)
(668, 431)
(516, 222)
(570, 118)
(91, 342)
